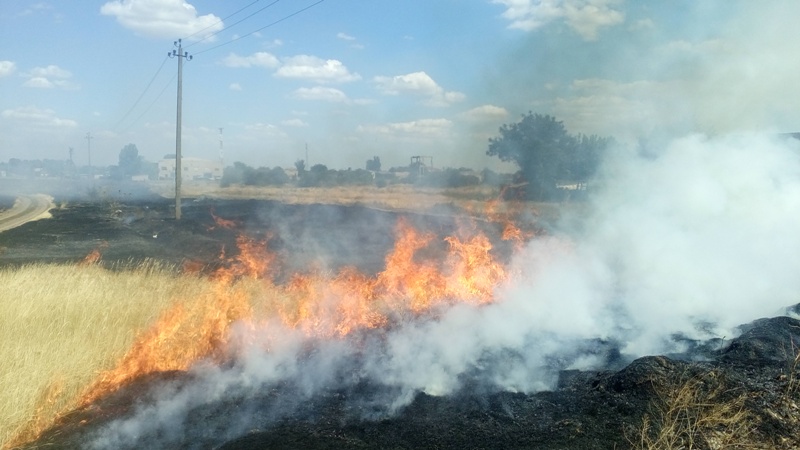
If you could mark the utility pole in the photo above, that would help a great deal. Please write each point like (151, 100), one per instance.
(180, 54)
(89, 138)
(221, 154)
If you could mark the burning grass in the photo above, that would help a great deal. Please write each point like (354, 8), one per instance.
(60, 325)
(76, 333)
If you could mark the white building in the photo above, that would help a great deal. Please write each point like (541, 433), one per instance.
(191, 168)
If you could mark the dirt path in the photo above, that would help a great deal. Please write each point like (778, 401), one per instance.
(26, 209)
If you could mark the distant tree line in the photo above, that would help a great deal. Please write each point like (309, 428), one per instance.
(243, 174)
(320, 175)
(130, 164)
(551, 162)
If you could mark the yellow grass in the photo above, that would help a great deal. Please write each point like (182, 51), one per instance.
(398, 196)
(697, 412)
(60, 325)
(473, 200)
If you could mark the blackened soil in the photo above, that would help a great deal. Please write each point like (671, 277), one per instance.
(305, 237)
(587, 410)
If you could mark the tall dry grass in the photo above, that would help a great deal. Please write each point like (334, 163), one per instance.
(398, 197)
(697, 412)
(61, 325)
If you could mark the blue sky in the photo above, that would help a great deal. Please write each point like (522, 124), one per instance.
(351, 79)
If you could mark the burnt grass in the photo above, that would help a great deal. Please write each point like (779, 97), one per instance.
(600, 409)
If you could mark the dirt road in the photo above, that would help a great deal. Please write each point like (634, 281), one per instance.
(26, 209)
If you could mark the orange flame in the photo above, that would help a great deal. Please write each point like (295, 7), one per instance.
(94, 256)
(222, 223)
(318, 304)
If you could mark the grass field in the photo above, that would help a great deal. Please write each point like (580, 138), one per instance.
(60, 325)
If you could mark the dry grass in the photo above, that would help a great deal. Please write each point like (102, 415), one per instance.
(697, 412)
(395, 197)
(477, 201)
(61, 325)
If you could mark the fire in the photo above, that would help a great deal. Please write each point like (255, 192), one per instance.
(319, 304)
(511, 232)
(223, 223)
(94, 256)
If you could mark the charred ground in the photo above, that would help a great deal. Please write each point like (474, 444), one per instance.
(756, 374)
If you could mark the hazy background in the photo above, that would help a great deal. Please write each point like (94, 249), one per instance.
(351, 79)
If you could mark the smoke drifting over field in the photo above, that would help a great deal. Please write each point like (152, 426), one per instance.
(688, 240)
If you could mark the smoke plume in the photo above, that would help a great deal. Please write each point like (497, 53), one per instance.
(682, 242)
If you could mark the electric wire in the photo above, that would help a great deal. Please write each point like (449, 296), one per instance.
(207, 50)
(231, 25)
(169, 83)
(262, 28)
(220, 21)
(142, 94)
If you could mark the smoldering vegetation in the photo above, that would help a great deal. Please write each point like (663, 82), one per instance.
(675, 251)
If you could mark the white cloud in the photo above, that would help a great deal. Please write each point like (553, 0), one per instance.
(38, 8)
(259, 59)
(294, 123)
(625, 110)
(163, 19)
(642, 24)
(264, 130)
(485, 113)
(35, 116)
(7, 68)
(585, 17)
(48, 77)
(725, 82)
(327, 94)
(427, 128)
(418, 83)
(235, 87)
(39, 82)
(317, 69)
(51, 71)
(351, 39)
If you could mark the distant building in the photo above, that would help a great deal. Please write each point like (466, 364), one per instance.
(191, 168)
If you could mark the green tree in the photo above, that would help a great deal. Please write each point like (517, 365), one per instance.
(264, 176)
(300, 165)
(546, 153)
(234, 174)
(374, 164)
(130, 163)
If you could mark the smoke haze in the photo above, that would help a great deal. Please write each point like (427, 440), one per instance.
(689, 240)
(683, 238)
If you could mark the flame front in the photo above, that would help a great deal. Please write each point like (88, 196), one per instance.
(320, 304)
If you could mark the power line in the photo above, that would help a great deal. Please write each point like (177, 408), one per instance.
(160, 67)
(142, 94)
(231, 25)
(89, 138)
(169, 83)
(262, 28)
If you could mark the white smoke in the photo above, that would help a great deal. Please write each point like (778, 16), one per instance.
(692, 241)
